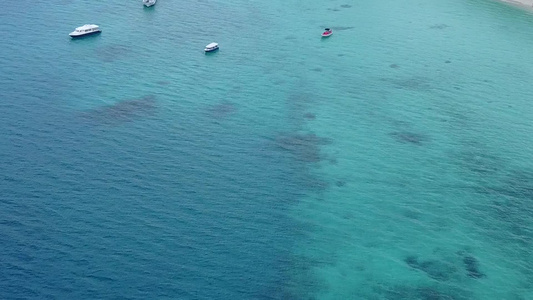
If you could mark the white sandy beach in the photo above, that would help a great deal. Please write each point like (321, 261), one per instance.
(527, 3)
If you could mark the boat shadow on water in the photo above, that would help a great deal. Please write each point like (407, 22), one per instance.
(211, 52)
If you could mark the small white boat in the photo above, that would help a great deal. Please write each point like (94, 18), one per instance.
(211, 47)
(84, 30)
(149, 3)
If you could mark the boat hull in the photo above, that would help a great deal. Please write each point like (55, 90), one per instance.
(76, 36)
(210, 50)
(149, 4)
(327, 34)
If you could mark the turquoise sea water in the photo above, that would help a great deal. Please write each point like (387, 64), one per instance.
(389, 161)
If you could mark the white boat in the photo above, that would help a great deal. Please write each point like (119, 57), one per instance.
(84, 30)
(149, 3)
(211, 47)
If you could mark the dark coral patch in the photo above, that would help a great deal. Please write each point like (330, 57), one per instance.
(472, 267)
(439, 26)
(300, 101)
(340, 183)
(511, 207)
(394, 66)
(316, 184)
(112, 53)
(124, 111)
(409, 137)
(346, 6)
(480, 162)
(305, 147)
(435, 269)
(412, 214)
(423, 292)
(221, 110)
(415, 83)
(310, 116)
(411, 261)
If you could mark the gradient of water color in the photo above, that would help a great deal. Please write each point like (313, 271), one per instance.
(389, 161)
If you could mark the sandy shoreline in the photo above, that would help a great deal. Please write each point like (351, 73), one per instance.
(521, 3)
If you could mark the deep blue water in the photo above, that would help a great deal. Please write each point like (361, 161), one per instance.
(113, 191)
(104, 215)
(389, 161)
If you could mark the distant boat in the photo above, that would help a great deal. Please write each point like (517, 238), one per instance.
(149, 3)
(211, 47)
(84, 30)
(327, 32)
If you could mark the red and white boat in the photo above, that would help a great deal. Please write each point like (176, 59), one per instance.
(327, 32)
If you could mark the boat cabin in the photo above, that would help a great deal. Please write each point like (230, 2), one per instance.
(87, 28)
(211, 47)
